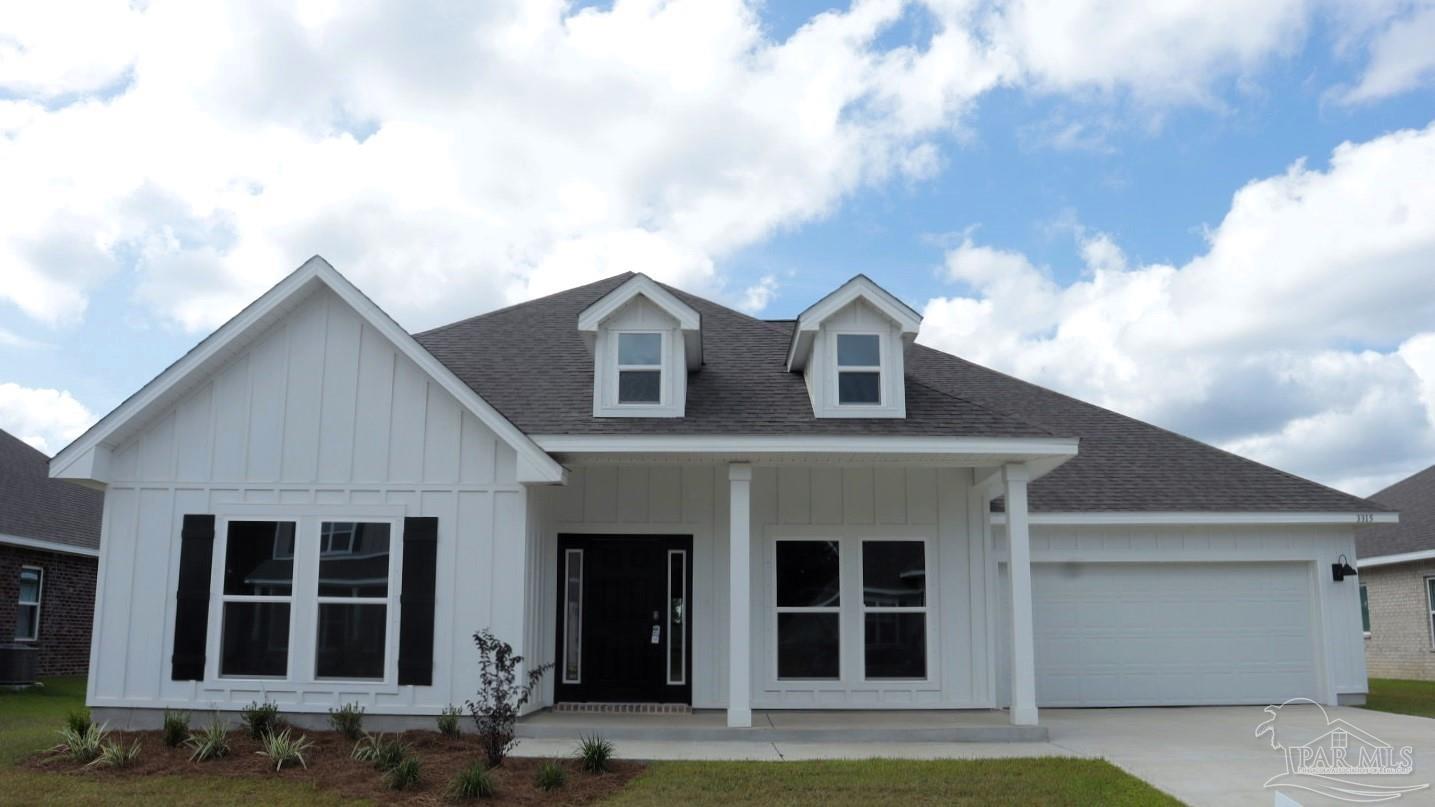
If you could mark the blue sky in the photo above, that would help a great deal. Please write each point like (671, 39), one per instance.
(1073, 220)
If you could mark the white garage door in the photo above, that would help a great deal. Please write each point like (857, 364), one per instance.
(1172, 634)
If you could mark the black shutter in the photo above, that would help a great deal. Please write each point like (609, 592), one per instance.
(191, 613)
(416, 601)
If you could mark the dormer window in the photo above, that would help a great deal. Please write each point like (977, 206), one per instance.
(640, 368)
(645, 341)
(851, 347)
(859, 369)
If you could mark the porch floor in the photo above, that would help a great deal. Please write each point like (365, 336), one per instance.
(944, 725)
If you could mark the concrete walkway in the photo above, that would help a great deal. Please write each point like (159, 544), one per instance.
(1203, 756)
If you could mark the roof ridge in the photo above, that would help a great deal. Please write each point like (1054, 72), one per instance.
(1186, 438)
(521, 303)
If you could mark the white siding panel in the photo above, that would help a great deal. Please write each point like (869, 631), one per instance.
(373, 407)
(339, 405)
(268, 384)
(304, 393)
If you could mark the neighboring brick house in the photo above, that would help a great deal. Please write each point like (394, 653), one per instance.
(49, 551)
(1397, 582)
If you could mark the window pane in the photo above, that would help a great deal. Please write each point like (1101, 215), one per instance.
(259, 558)
(27, 622)
(808, 574)
(858, 350)
(896, 645)
(677, 607)
(1364, 609)
(255, 639)
(859, 388)
(640, 386)
(1430, 585)
(351, 640)
(573, 618)
(353, 560)
(30, 585)
(807, 646)
(894, 573)
(640, 348)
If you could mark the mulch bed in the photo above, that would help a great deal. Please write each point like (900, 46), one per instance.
(332, 769)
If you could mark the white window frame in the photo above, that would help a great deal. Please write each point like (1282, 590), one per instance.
(568, 626)
(661, 367)
(838, 369)
(37, 604)
(303, 599)
(389, 600)
(778, 610)
(925, 610)
(1430, 608)
(1363, 596)
(682, 632)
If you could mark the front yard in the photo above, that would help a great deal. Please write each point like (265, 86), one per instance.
(1402, 697)
(29, 722)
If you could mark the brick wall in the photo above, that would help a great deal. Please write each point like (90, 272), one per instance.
(67, 606)
(1400, 643)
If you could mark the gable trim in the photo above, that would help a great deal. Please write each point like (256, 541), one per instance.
(1391, 560)
(87, 457)
(48, 546)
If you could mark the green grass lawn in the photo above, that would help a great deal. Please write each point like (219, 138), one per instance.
(1047, 781)
(1402, 697)
(29, 721)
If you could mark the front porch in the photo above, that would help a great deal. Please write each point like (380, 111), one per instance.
(871, 597)
(786, 725)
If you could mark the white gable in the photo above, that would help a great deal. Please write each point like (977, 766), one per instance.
(274, 382)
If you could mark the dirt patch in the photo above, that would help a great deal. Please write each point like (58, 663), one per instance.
(332, 769)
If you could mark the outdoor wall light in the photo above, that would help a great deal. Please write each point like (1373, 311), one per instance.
(1342, 569)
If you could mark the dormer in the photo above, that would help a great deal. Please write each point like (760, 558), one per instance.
(850, 347)
(644, 342)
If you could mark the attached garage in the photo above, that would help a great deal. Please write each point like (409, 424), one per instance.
(1170, 634)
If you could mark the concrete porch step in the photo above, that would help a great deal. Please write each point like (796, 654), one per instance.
(786, 726)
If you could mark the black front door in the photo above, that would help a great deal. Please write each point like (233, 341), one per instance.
(624, 627)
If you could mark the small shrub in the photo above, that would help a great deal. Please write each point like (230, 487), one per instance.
(281, 748)
(472, 782)
(78, 721)
(82, 745)
(594, 754)
(211, 742)
(448, 721)
(176, 728)
(117, 755)
(382, 751)
(500, 695)
(348, 720)
(261, 718)
(403, 775)
(550, 776)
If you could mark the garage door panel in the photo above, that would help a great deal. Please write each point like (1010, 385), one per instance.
(1172, 634)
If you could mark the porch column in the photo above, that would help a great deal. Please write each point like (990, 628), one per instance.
(739, 598)
(1023, 654)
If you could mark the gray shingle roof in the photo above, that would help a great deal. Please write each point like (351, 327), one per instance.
(32, 505)
(1414, 497)
(530, 363)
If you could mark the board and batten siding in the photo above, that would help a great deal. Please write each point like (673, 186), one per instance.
(847, 503)
(319, 415)
(1335, 607)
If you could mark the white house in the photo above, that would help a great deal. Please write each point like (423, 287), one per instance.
(677, 503)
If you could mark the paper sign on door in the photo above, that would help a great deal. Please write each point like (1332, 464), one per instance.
(656, 629)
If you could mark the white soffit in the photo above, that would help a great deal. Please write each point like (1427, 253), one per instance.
(689, 320)
(87, 457)
(860, 287)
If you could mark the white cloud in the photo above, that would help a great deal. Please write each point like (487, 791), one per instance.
(47, 419)
(1402, 57)
(759, 295)
(59, 47)
(454, 159)
(1304, 336)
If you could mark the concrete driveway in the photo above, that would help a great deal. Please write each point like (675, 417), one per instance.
(1203, 756)
(1211, 756)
